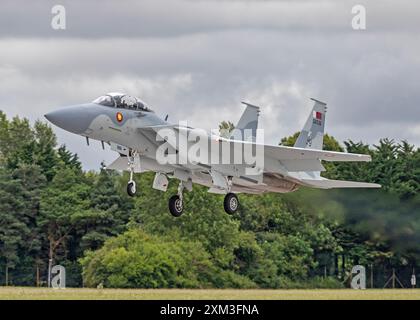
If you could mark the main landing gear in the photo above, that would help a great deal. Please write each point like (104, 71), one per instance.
(231, 203)
(176, 206)
(176, 202)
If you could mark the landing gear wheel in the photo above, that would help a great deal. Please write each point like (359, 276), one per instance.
(131, 188)
(231, 203)
(176, 206)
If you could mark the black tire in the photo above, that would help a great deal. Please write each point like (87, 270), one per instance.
(131, 189)
(231, 203)
(176, 206)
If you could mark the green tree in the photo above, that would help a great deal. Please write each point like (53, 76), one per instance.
(69, 159)
(64, 203)
(12, 229)
(137, 259)
(329, 143)
(19, 206)
(225, 128)
(45, 155)
(19, 142)
(109, 212)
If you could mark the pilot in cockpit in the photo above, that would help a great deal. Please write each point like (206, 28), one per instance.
(120, 100)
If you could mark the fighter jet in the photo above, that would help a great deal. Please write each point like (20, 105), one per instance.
(145, 142)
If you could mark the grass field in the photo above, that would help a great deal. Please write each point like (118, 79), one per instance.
(13, 293)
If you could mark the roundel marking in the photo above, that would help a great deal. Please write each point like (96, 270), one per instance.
(119, 117)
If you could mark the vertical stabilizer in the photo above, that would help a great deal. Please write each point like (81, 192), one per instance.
(312, 134)
(246, 129)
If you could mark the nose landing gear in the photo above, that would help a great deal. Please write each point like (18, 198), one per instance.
(131, 186)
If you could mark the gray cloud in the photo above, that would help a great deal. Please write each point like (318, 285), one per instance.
(163, 18)
(198, 60)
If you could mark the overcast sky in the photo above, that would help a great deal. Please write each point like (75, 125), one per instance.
(196, 60)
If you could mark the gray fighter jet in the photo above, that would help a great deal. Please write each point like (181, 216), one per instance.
(146, 142)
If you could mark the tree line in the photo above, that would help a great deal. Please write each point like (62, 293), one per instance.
(52, 210)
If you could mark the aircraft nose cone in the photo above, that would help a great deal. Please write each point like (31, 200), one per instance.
(74, 119)
(51, 116)
(60, 118)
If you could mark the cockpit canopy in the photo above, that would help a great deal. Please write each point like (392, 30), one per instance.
(123, 101)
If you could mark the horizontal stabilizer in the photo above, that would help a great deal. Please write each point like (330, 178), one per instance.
(330, 184)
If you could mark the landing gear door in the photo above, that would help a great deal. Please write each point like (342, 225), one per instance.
(160, 182)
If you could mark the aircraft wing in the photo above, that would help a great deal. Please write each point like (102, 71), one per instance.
(296, 159)
(330, 184)
(292, 153)
(283, 152)
(293, 158)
